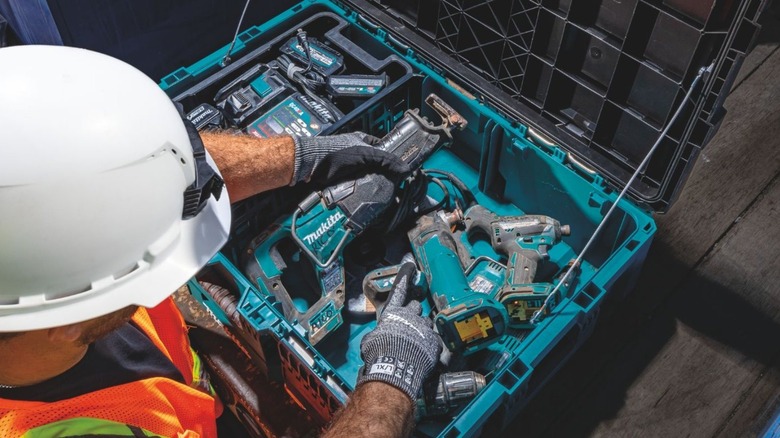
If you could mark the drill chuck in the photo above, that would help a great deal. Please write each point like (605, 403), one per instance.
(452, 391)
(455, 388)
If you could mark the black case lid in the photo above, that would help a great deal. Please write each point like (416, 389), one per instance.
(601, 78)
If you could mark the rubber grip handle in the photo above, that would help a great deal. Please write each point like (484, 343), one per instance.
(523, 268)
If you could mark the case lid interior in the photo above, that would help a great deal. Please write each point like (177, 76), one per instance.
(601, 78)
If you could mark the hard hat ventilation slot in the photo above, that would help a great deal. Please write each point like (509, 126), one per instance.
(175, 152)
(126, 271)
(69, 293)
(9, 301)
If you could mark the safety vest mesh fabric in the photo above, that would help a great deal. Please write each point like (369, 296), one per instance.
(86, 427)
(159, 405)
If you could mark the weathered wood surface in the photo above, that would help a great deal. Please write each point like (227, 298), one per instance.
(695, 350)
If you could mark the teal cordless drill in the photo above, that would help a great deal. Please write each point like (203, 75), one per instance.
(476, 298)
(326, 221)
(466, 319)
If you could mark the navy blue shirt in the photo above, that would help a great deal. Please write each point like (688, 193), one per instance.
(125, 355)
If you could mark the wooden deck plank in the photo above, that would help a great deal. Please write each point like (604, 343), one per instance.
(766, 43)
(737, 166)
(757, 57)
(733, 170)
(756, 408)
(727, 327)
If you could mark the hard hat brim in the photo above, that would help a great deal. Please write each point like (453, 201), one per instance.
(199, 239)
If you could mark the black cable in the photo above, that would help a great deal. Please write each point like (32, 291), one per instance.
(465, 194)
(304, 42)
(411, 195)
(415, 190)
(443, 203)
(309, 82)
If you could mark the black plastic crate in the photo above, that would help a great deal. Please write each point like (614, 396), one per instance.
(508, 52)
(601, 78)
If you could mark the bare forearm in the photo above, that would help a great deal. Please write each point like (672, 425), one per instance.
(375, 410)
(250, 165)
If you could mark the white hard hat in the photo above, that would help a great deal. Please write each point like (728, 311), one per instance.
(94, 165)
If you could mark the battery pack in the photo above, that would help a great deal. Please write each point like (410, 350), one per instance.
(252, 94)
(355, 85)
(323, 59)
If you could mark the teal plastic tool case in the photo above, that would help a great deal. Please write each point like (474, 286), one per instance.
(563, 100)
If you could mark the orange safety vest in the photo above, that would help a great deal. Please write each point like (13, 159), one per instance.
(158, 405)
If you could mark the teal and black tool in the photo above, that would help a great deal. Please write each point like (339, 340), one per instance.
(253, 93)
(378, 283)
(361, 86)
(524, 241)
(314, 236)
(297, 115)
(467, 320)
(311, 52)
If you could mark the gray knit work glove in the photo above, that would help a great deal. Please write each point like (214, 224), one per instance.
(327, 159)
(403, 349)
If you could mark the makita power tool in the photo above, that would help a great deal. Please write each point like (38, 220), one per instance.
(303, 252)
(476, 297)
(524, 241)
(467, 320)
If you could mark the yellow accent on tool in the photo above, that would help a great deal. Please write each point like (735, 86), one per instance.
(474, 328)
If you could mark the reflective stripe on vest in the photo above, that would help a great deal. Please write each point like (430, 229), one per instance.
(158, 405)
(76, 427)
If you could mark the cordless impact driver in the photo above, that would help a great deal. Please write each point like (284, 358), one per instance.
(326, 221)
(524, 241)
(476, 298)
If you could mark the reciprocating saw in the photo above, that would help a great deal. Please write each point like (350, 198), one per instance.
(326, 221)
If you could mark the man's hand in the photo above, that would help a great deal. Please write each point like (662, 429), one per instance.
(398, 355)
(250, 165)
(328, 159)
(403, 349)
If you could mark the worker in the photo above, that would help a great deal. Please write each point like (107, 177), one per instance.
(109, 204)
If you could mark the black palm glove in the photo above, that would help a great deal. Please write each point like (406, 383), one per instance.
(403, 349)
(328, 159)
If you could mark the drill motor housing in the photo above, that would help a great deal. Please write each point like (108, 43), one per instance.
(466, 320)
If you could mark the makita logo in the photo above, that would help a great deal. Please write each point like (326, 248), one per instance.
(315, 106)
(198, 114)
(324, 227)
